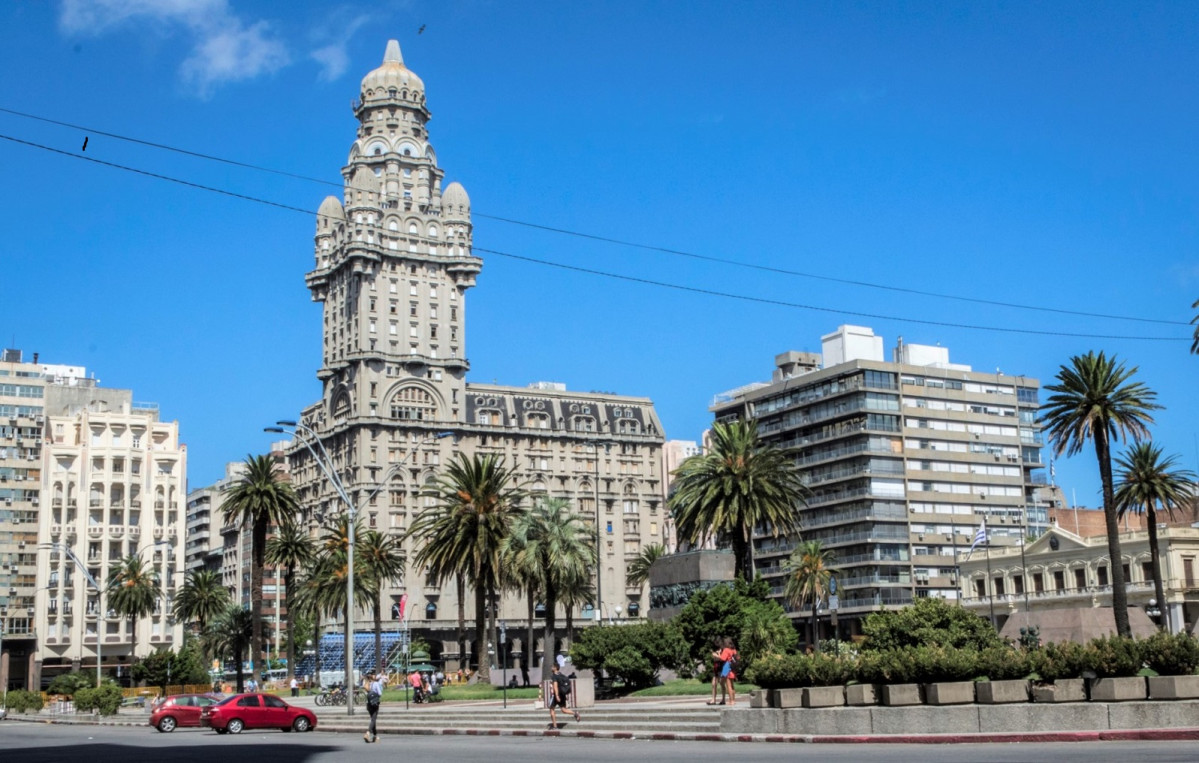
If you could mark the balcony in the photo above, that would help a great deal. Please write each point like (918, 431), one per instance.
(95, 503)
(136, 503)
(95, 531)
(56, 503)
(55, 531)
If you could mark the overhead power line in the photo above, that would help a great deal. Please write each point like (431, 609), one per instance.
(615, 241)
(617, 276)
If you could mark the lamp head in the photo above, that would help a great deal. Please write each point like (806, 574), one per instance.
(286, 423)
(276, 430)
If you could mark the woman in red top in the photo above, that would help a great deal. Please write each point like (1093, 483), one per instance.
(726, 672)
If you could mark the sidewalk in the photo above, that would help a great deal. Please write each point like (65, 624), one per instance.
(650, 719)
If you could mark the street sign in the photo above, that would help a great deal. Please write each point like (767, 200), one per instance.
(833, 603)
(832, 585)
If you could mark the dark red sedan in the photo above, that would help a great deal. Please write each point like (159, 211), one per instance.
(256, 711)
(180, 710)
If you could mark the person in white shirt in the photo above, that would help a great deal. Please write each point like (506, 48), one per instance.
(295, 687)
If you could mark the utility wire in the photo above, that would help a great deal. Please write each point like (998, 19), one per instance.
(606, 274)
(617, 241)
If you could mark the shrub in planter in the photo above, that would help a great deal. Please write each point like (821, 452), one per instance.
(106, 699)
(928, 622)
(936, 664)
(828, 670)
(21, 701)
(779, 671)
(69, 683)
(1171, 655)
(893, 666)
(1113, 656)
(1002, 663)
(1061, 660)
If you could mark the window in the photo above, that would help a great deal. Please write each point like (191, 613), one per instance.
(999, 587)
(980, 588)
(1080, 579)
(1018, 584)
(1101, 575)
(1059, 580)
(413, 404)
(1147, 571)
(273, 701)
(248, 701)
(1038, 582)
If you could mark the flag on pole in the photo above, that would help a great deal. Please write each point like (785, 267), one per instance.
(403, 604)
(980, 537)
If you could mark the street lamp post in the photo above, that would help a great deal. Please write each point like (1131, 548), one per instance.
(599, 565)
(99, 600)
(305, 434)
(503, 660)
(3, 626)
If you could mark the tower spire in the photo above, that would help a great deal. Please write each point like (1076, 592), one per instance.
(393, 52)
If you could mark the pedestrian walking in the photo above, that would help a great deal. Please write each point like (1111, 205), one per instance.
(559, 696)
(374, 697)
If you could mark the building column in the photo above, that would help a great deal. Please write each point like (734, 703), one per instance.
(34, 682)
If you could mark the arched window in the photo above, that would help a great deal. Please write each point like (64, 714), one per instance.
(413, 404)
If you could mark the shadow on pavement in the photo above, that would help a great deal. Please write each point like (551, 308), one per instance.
(218, 748)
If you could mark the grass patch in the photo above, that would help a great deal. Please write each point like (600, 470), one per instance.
(460, 692)
(687, 687)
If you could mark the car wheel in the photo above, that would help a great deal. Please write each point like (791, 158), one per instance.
(299, 724)
(235, 726)
(167, 724)
(221, 731)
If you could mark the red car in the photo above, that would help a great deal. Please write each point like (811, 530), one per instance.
(255, 711)
(180, 710)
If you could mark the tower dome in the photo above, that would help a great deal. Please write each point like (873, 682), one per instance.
(392, 75)
(455, 204)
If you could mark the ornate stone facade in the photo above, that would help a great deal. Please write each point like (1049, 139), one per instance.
(393, 264)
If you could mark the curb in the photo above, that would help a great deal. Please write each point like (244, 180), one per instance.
(1131, 735)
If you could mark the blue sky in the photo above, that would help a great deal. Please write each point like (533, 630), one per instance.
(1040, 154)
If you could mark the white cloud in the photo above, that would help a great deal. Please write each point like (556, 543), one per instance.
(333, 58)
(225, 49)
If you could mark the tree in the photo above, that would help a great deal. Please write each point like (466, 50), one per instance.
(133, 590)
(741, 483)
(290, 548)
(575, 591)
(464, 532)
(384, 560)
(524, 576)
(229, 636)
(638, 569)
(1096, 399)
(808, 577)
(260, 499)
(631, 653)
(930, 622)
(1148, 481)
(202, 598)
(553, 543)
(167, 668)
(726, 611)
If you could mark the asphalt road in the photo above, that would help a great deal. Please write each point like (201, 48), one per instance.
(44, 743)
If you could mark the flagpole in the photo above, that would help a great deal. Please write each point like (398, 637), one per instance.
(990, 583)
(957, 568)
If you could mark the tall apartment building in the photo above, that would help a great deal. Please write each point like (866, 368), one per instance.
(115, 477)
(393, 264)
(904, 459)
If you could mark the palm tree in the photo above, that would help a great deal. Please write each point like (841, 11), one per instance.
(290, 548)
(304, 599)
(1096, 399)
(575, 591)
(261, 499)
(739, 484)
(229, 636)
(465, 531)
(384, 559)
(553, 543)
(638, 570)
(202, 598)
(133, 591)
(525, 578)
(808, 577)
(1146, 481)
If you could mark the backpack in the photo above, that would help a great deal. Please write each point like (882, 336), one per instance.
(372, 699)
(735, 663)
(563, 685)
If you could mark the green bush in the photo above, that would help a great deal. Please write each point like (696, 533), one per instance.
(829, 669)
(928, 622)
(69, 683)
(660, 645)
(779, 671)
(21, 701)
(106, 699)
(630, 666)
(1114, 656)
(894, 666)
(741, 611)
(1171, 655)
(937, 664)
(1066, 659)
(1002, 663)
